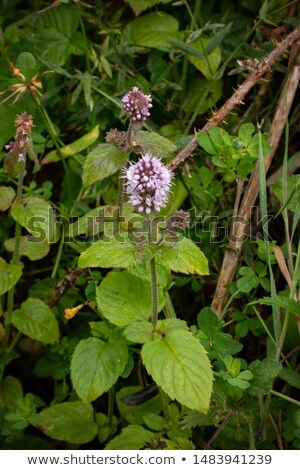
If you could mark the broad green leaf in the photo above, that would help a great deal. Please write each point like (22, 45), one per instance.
(9, 275)
(155, 422)
(205, 142)
(133, 437)
(153, 30)
(208, 64)
(7, 195)
(96, 366)
(139, 332)
(185, 257)
(219, 162)
(37, 216)
(103, 161)
(26, 63)
(109, 254)
(10, 393)
(178, 363)
(31, 247)
(264, 373)
(245, 133)
(36, 320)
(71, 422)
(208, 321)
(123, 298)
(170, 324)
(143, 271)
(90, 223)
(201, 96)
(153, 143)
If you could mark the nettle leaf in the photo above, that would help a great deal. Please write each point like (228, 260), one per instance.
(36, 320)
(124, 298)
(37, 216)
(183, 370)
(153, 30)
(7, 195)
(96, 366)
(133, 437)
(71, 422)
(9, 275)
(185, 257)
(153, 143)
(109, 254)
(103, 161)
(31, 247)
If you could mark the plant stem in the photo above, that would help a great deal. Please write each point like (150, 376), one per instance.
(285, 397)
(15, 260)
(154, 288)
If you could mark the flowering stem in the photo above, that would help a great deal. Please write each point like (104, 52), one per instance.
(154, 288)
(15, 259)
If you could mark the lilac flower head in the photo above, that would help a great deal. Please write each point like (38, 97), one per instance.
(148, 184)
(137, 104)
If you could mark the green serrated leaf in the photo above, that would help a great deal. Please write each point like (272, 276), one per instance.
(33, 248)
(185, 257)
(71, 422)
(7, 195)
(155, 422)
(103, 161)
(109, 254)
(139, 332)
(154, 143)
(124, 298)
(96, 366)
(9, 275)
(183, 370)
(37, 216)
(36, 320)
(133, 437)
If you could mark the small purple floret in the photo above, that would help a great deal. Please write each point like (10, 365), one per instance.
(137, 104)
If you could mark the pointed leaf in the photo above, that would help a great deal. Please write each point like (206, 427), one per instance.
(153, 30)
(124, 298)
(103, 161)
(7, 195)
(71, 422)
(109, 254)
(9, 275)
(96, 366)
(209, 63)
(185, 257)
(139, 332)
(133, 437)
(178, 363)
(36, 320)
(154, 143)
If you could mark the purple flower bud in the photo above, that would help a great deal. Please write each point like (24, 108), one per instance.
(137, 104)
(148, 184)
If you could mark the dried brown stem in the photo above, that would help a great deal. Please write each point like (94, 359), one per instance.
(233, 250)
(239, 94)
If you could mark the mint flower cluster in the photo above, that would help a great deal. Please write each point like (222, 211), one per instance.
(137, 104)
(148, 184)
